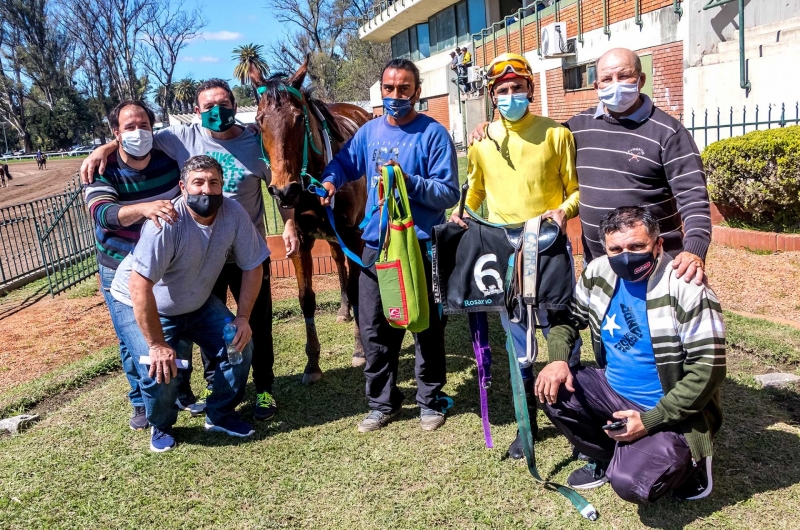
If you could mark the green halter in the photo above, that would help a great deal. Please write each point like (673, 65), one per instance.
(308, 138)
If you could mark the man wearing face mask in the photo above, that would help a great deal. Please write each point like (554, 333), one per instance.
(425, 153)
(163, 294)
(632, 152)
(138, 184)
(239, 152)
(647, 416)
(524, 170)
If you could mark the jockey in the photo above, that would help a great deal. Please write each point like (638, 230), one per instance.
(527, 169)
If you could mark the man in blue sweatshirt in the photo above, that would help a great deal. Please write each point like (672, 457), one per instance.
(425, 153)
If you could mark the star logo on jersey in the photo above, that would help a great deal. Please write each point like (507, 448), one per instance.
(611, 324)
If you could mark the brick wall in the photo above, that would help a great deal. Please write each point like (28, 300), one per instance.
(591, 19)
(667, 85)
(439, 110)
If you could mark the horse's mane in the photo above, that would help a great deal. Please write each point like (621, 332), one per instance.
(274, 91)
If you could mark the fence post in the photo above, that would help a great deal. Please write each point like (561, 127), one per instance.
(744, 119)
(782, 123)
(756, 116)
(769, 116)
(731, 123)
(718, 126)
(705, 130)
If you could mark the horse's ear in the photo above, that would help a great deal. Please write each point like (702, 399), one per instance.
(299, 76)
(256, 76)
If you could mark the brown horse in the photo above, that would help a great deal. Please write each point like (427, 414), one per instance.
(5, 176)
(41, 161)
(291, 123)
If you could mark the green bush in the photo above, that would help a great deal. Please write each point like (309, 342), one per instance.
(759, 174)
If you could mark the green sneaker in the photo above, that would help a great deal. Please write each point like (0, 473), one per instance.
(199, 407)
(265, 408)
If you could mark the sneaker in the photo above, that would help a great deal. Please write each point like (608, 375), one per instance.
(265, 408)
(590, 476)
(186, 402)
(198, 408)
(375, 420)
(430, 419)
(138, 419)
(161, 440)
(699, 485)
(232, 426)
(515, 449)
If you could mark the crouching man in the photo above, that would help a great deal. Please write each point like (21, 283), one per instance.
(646, 417)
(162, 294)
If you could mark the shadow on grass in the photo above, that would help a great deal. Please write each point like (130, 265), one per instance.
(751, 455)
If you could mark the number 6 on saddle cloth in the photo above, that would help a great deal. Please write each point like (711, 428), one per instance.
(513, 268)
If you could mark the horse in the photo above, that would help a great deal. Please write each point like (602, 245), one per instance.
(5, 176)
(292, 122)
(41, 161)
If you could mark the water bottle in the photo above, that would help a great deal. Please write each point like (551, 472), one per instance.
(229, 332)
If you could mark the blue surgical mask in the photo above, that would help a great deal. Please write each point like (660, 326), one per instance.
(619, 97)
(397, 108)
(513, 107)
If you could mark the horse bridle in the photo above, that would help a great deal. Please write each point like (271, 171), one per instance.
(308, 138)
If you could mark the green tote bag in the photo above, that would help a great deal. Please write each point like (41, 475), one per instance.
(400, 269)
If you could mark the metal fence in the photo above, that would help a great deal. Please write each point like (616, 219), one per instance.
(725, 124)
(50, 237)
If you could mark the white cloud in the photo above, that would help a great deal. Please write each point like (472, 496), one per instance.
(208, 59)
(188, 59)
(221, 35)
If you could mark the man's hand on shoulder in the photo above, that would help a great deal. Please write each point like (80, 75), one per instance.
(478, 133)
(550, 379)
(689, 266)
(161, 210)
(96, 162)
(162, 363)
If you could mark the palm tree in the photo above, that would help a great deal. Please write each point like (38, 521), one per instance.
(248, 56)
(184, 94)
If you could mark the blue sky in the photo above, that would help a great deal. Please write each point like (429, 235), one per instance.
(230, 24)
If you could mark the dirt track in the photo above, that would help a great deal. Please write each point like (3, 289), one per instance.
(30, 183)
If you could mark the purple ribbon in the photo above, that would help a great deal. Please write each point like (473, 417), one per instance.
(479, 327)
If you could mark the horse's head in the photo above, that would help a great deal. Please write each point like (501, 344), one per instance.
(283, 113)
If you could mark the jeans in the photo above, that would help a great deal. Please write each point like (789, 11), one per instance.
(131, 373)
(203, 327)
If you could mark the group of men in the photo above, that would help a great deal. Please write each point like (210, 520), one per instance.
(460, 61)
(172, 241)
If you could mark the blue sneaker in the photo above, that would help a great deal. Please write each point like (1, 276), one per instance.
(161, 440)
(232, 426)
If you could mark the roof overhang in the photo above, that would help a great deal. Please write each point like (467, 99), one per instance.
(401, 14)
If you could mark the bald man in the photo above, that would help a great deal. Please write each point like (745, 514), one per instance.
(630, 152)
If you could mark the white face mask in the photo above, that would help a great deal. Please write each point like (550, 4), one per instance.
(138, 142)
(619, 97)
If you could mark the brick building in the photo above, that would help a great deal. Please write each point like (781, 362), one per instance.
(691, 55)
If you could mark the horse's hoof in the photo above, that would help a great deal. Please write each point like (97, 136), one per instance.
(311, 378)
(359, 361)
(343, 318)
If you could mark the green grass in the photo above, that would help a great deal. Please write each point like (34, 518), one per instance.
(774, 344)
(81, 467)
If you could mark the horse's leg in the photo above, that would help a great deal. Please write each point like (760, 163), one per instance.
(304, 270)
(359, 360)
(344, 308)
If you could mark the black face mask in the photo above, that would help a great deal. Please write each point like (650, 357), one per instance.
(204, 205)
(633, 266)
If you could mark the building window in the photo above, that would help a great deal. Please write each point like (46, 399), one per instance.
(421, 105)
(462, 22)
(411, 43)
(579, 76)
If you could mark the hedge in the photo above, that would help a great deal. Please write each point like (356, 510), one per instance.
(757, 173)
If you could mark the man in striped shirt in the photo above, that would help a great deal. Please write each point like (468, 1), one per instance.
(647, 416)
(631, 152)
(137, 184)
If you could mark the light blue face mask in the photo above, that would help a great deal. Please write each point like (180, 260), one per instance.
(619, 97)
(513, 106)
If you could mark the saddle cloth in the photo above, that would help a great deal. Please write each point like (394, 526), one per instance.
(471, 267)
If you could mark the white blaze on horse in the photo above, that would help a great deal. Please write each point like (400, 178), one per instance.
(294, 127)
